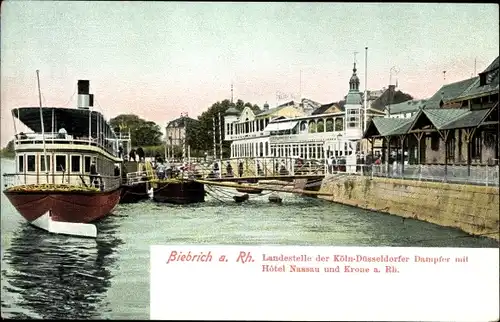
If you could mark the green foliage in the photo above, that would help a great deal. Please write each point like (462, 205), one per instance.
(142, 132)
(200, 135)
(151, 151)
(8, 151)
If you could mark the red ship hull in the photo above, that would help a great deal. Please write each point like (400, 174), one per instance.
(71, 207)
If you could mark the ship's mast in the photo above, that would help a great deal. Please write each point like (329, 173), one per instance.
(214, 136)
(184, 148)
(42, 125)
(220, 137)
(365, 98)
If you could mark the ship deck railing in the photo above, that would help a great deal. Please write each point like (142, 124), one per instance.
(109, 183)
(138, 176)
(57, 138)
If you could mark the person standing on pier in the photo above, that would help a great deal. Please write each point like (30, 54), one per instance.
(132, 155)
(259, 169)
(160, 170)
(229, 169)
(329, 163)
(240, 169)
(94, 175)
(283, 170)
(216, 168)
(140, 153)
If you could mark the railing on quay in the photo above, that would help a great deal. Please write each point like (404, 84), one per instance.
(104, 183)
(485, 175)
(257, 167)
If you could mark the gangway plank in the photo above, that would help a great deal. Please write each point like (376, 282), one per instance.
(277, 189)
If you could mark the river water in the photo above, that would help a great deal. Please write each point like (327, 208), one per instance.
(51, 276)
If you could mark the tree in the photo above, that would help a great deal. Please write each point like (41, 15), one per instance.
(8, 151)
(142, 132)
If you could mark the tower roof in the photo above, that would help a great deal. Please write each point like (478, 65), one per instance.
(354, 81)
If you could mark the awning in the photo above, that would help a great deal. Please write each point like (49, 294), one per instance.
(74, 120)
(281, 126)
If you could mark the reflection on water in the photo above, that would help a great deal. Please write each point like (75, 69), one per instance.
(59, 277)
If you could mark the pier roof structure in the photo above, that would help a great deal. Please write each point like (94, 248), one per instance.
(487, 83)
(439, 119)
(449, 92)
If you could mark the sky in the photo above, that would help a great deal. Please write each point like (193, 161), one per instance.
(160, 59)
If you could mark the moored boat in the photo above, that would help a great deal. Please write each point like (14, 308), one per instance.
(178, 191)
(134, 192)
(275, 198)
(135, 187)
(249, 190)
(241, 198)
(65, 174)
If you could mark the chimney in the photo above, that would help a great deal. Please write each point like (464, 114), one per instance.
(83, 94)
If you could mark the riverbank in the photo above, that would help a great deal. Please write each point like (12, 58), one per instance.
(472, 209)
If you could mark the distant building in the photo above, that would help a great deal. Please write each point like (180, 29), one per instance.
(406, 109)
(175, 131)
(247, 130)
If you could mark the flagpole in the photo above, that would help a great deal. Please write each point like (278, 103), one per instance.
(214, 135)
(366, 90)
(220, 136)
(42, 125)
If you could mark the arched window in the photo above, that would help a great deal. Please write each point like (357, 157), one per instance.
(320, 126)
(312, 127)
(329, 125)
(339, 124)
(303, 126)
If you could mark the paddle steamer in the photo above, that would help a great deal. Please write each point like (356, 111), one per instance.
(66, 177)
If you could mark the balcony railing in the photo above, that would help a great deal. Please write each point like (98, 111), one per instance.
(56, 138)
(304, 137)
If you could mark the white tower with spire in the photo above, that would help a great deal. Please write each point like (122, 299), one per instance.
(353, 108)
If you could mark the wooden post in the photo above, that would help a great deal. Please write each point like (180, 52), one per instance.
(444, 136)
(388, 154)
(372, 142)
(418, 136)
(469, 133)
(402, 140)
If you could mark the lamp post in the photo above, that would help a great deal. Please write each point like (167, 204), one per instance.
(393, 71)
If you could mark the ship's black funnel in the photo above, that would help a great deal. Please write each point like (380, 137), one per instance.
(83, 87)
